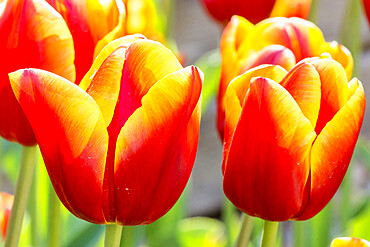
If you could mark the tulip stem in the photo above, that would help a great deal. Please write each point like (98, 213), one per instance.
(245, 231)
(269, 233)
(112, 235)
(22, 190)
(54, 220)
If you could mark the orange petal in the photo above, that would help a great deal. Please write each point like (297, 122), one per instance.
(303, 84)
(105, 85)
(334, 89)
(272, 54)
(118, 31)
(235, 94)
(89, 21)
(268, 163)
(302, 37)
(290, 8)
(156, 148)
(349, 242)
(71, 133)
(232, 38)
(332, 152)
(107, 50)
(340, 54)
(38, 37)
(146, 63)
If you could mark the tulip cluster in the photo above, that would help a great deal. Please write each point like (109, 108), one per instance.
(65, 44)
(124, 141)
(289, 137)
(279, 41)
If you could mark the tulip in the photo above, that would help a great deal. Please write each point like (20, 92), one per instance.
(279, 41)
(123, 141)
(6, 204)
(95, 23)
(256, 11)
(349, 242)
(34, 35)
(289, 137)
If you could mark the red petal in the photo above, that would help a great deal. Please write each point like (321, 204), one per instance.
(38, 37)
(268, 163)
(332, 152)
(156, 148)
(72, 136)
(303, 83)
(235, 95)
(334, 89)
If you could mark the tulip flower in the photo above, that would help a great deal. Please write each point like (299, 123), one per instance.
(256, 11)
(278, 41)
(349, 242)
(34, 35)
(123, 141)
(95, 23)
(6, 204)
(289, 137)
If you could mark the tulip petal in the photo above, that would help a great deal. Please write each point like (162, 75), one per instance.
(268, 162)
(89, 21)
(146, 63)
(104, 53)
(231, 41)
(290, 8)
(105, 85)
(118, 31)
(303, 84)
(332, 152)
(71, 133)
(334, 89)
(340, 54)
(36, 36)
(272, 54)
(156, 148)
(235, 95)
(349, 242)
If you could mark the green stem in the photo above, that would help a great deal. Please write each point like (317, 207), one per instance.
(54, 236)
(22, 190)
(227, 215)
(351, 32)
(313, 12)
(34, 213)
(112, 235)
(245, 231)
(299, 233)
(269, 233)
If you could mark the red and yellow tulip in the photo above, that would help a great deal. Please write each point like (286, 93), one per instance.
(95, 23)
(349, 242)
(123, 141)
(279, 41)
(33, 35)
(289, 137)
(6, 204)
(256, 11)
